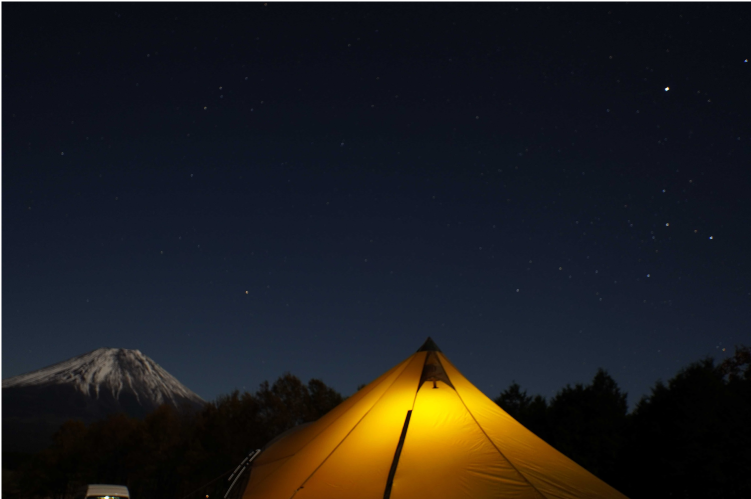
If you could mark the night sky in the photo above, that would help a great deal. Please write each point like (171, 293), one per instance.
(240, 190)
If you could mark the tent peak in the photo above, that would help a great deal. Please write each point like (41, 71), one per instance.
(429, 346)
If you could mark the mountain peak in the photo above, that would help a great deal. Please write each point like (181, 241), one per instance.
(114, 371)
(88, 387)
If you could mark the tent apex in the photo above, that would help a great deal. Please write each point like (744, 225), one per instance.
(429, 346)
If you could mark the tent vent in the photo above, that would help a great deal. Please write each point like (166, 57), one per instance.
(433, 371)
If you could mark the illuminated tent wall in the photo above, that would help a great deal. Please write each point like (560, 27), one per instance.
(421, 430)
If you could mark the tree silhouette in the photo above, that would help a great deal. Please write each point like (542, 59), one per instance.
(691, 437)
(531, 412)
(172, 453)
(57, 471)
(587, 424)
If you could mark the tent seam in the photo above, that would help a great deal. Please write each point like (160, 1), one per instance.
(496, 447)
(351, 430)
(324, 429)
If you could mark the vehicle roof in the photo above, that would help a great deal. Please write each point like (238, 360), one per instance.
(100, 489)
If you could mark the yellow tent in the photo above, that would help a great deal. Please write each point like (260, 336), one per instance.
(421, 430)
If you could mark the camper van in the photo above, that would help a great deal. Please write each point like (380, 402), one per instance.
(103, 491)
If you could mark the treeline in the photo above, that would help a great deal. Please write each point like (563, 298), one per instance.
(170, 454)
(690, 438)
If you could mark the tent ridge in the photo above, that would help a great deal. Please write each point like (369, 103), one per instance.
(429, 346)
(497, 449)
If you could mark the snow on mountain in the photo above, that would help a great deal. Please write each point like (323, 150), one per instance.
(87, 388)
(114, 371)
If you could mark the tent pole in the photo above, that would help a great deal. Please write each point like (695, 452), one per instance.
(395, 462)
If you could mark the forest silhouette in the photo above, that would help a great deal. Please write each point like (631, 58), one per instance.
(689, 438)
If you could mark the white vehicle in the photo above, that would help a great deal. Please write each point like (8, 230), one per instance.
(104, 491)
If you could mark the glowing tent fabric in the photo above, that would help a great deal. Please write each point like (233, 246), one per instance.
(421, 430)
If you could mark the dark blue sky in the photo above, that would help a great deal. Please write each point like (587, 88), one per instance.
(240, 190)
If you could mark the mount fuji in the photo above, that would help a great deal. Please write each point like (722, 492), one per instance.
(88, 387)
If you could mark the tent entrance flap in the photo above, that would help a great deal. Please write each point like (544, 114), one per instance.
(395, 462)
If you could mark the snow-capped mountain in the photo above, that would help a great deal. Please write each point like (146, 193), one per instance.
(112, 370)
(88, 387)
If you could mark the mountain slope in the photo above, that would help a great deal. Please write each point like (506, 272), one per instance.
(87, 387)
